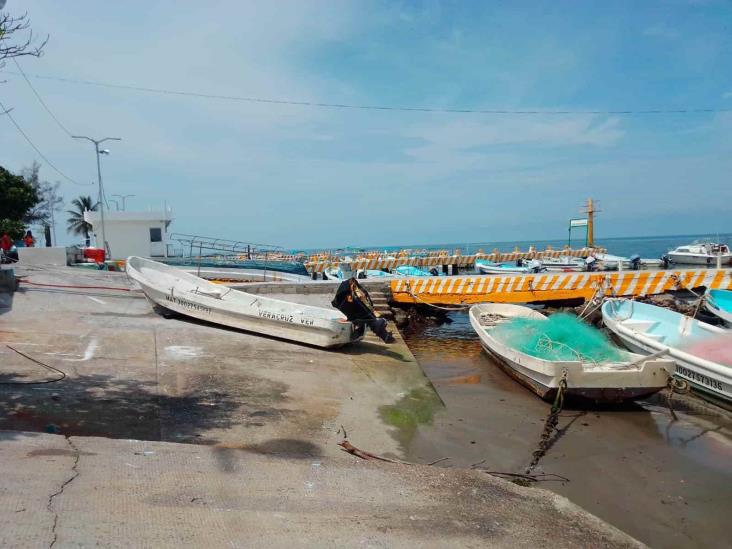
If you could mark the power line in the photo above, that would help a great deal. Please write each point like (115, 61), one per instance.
(372, 107)
(40, 100)
(43, 156)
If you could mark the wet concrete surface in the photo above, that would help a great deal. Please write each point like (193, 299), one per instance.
(667, 483)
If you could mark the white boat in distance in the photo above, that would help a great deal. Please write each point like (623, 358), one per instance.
(649, 329)
(597, 381)
(189, 295)
(564, 263)
(701, 253)
(487, 267)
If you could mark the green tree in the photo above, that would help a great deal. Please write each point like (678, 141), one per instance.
(75, 221)
(17, 198)
(49, 202)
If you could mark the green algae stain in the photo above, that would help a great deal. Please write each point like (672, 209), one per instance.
(414, 409)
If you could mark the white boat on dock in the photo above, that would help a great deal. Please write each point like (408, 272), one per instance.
(176, 290)
(630, 376)
(701, 253)
(699, 349)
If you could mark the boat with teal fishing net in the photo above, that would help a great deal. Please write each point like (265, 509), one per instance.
(702, 352)
(540, 351)
(719, 303)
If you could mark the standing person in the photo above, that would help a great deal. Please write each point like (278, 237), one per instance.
(28, 240)
(6, 243)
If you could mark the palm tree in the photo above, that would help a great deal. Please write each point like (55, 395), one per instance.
(75, 221)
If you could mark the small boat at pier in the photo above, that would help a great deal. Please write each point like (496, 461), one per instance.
(538, 351)
(564, 264)
(719, 303)
(176, 290)
(488, 267)
(701, 253)
(703, 353)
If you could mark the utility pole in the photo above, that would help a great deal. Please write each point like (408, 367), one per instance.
(97, 142)
(590, 210)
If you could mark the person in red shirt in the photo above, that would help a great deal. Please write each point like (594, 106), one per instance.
(6, 243)
(29, 240)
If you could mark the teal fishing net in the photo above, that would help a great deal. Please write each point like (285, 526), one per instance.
(559, 337)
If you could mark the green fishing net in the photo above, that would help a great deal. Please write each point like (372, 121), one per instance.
(559, 337)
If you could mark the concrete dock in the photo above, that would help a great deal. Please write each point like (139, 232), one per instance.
(169, 432)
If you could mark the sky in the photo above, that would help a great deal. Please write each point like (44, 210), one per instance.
(308, 177)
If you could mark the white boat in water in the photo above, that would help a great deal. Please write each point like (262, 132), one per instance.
(487, 267)
(631, 376)
(564, 263)
(189, 295)
(703, 353)
(701, 253)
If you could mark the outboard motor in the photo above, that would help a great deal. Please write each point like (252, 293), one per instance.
(434, 271)
(665, 260)
(535, 266)
(635, 262)
(520, 262)
(353, 301)
(591, 264)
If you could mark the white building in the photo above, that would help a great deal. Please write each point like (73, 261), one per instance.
(132, 233)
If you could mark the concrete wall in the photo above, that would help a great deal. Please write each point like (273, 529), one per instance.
(128, 233)
(315, 287)
(126, 238)
(42, 256)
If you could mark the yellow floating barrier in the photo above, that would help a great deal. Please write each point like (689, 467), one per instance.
(462, 290)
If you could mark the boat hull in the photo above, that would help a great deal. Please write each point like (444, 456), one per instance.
(698, 259)
(249, 312)
(593, 394)
(705, 377)
(611, 383)
(721, 308)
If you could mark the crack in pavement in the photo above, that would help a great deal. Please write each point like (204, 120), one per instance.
(74, 474)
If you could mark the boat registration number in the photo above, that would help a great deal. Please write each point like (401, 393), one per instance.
(700, 378)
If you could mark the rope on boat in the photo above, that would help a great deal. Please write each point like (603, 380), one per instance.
(550, 425)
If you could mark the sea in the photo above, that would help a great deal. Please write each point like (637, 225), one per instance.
(651, 247)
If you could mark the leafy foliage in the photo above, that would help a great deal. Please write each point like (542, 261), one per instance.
(17, 198)
(75, 222)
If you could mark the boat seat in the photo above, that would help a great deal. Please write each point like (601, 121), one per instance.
(642, 326)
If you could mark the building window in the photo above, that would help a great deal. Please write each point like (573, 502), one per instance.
(156, 234)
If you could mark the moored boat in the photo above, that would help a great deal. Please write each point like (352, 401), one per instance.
(488, 267)
(534, 350)
(176, 290)
(564, 263)
(701, 253)
(719, 303)
(703, 353)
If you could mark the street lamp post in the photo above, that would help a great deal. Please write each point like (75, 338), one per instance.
(97, 142)
(124, 198)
